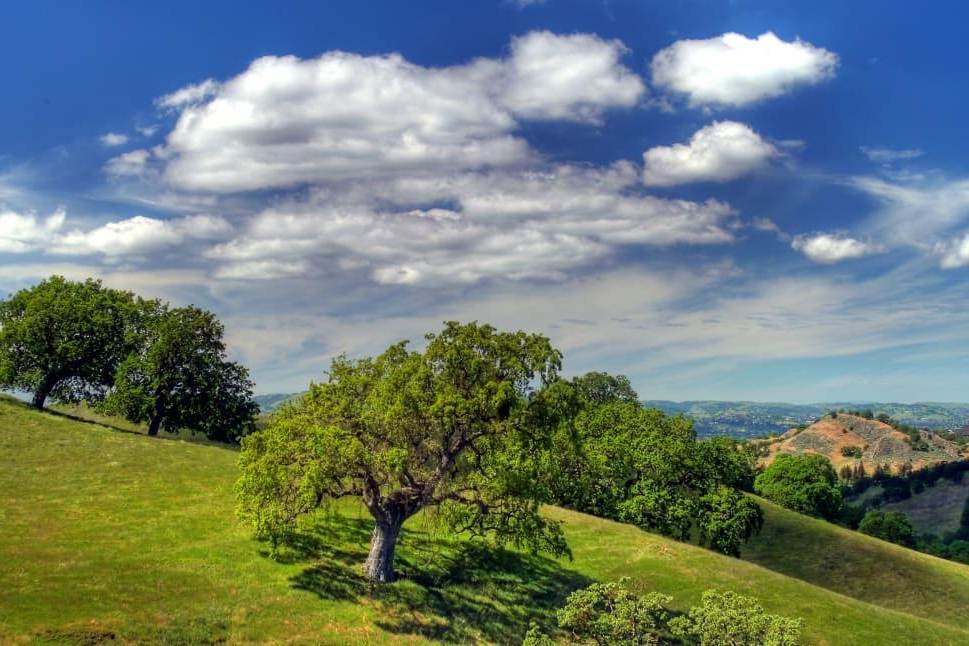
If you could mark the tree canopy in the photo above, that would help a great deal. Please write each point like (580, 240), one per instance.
(460, 426)
(643, 467)
(892, 526)
(178, 377)
(599, 388)
(64, 338)
(805, 483)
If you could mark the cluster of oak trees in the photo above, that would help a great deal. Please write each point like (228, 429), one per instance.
(479, 429)
(139, 358)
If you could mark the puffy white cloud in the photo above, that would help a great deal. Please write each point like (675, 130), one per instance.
(140, 235)
(112, 139)
(508, 225)
(25, 232)
(286, 121)
(720, 152)
(828, 248)
(567, 77)
(734, 70)
(888, 155)
(954, 253)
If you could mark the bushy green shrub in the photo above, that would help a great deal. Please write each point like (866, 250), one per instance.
(731, 619)
(851, 451)
(610, 613)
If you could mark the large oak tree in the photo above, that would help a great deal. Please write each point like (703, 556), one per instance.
(459, 427)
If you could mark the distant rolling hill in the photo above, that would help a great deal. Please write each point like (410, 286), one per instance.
(269, 403)
(745, 419)
(875, 443)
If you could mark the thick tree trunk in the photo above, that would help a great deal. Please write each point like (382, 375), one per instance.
(42, 392)
(154, 424)
(379, 567)
(40, 396)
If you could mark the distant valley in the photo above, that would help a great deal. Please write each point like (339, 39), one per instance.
(744, 419)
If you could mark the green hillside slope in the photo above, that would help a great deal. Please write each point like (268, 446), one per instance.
(109, 536)
(937, 510)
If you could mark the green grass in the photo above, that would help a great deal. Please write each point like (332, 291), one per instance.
(109, 536)
(937, 510)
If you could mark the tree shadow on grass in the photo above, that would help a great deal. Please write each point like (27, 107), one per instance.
(454, 590)
(84, 420)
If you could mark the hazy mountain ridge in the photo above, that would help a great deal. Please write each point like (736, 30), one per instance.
(270, 402)
(744, 419)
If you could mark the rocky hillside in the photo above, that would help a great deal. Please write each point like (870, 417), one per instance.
(846, 439)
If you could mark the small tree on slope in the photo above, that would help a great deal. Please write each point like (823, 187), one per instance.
(179, 378)
(459, 426)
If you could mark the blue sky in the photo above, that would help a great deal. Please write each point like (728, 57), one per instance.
(720, 199)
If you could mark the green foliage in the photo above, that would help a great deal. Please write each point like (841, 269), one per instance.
(851, 515)
(892, 526)
(536, 637)
(64, 339)
(731, 619)
(727, 519)
(619, 460)
(179, 377)
(609, 613)
(597, 388)
(805, 483)
(464, 426)
(851, 451)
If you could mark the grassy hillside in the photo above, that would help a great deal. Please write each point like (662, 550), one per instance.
(936, 510)
(107, 535)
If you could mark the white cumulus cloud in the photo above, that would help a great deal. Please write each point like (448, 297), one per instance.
(567, 77)
(140, 235)
(733, 70)
(720, 152)
(286, 121)
(25, 232)
(538, 224)
(828, 248)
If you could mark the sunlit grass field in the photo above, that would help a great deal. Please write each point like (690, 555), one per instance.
(108, 536)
